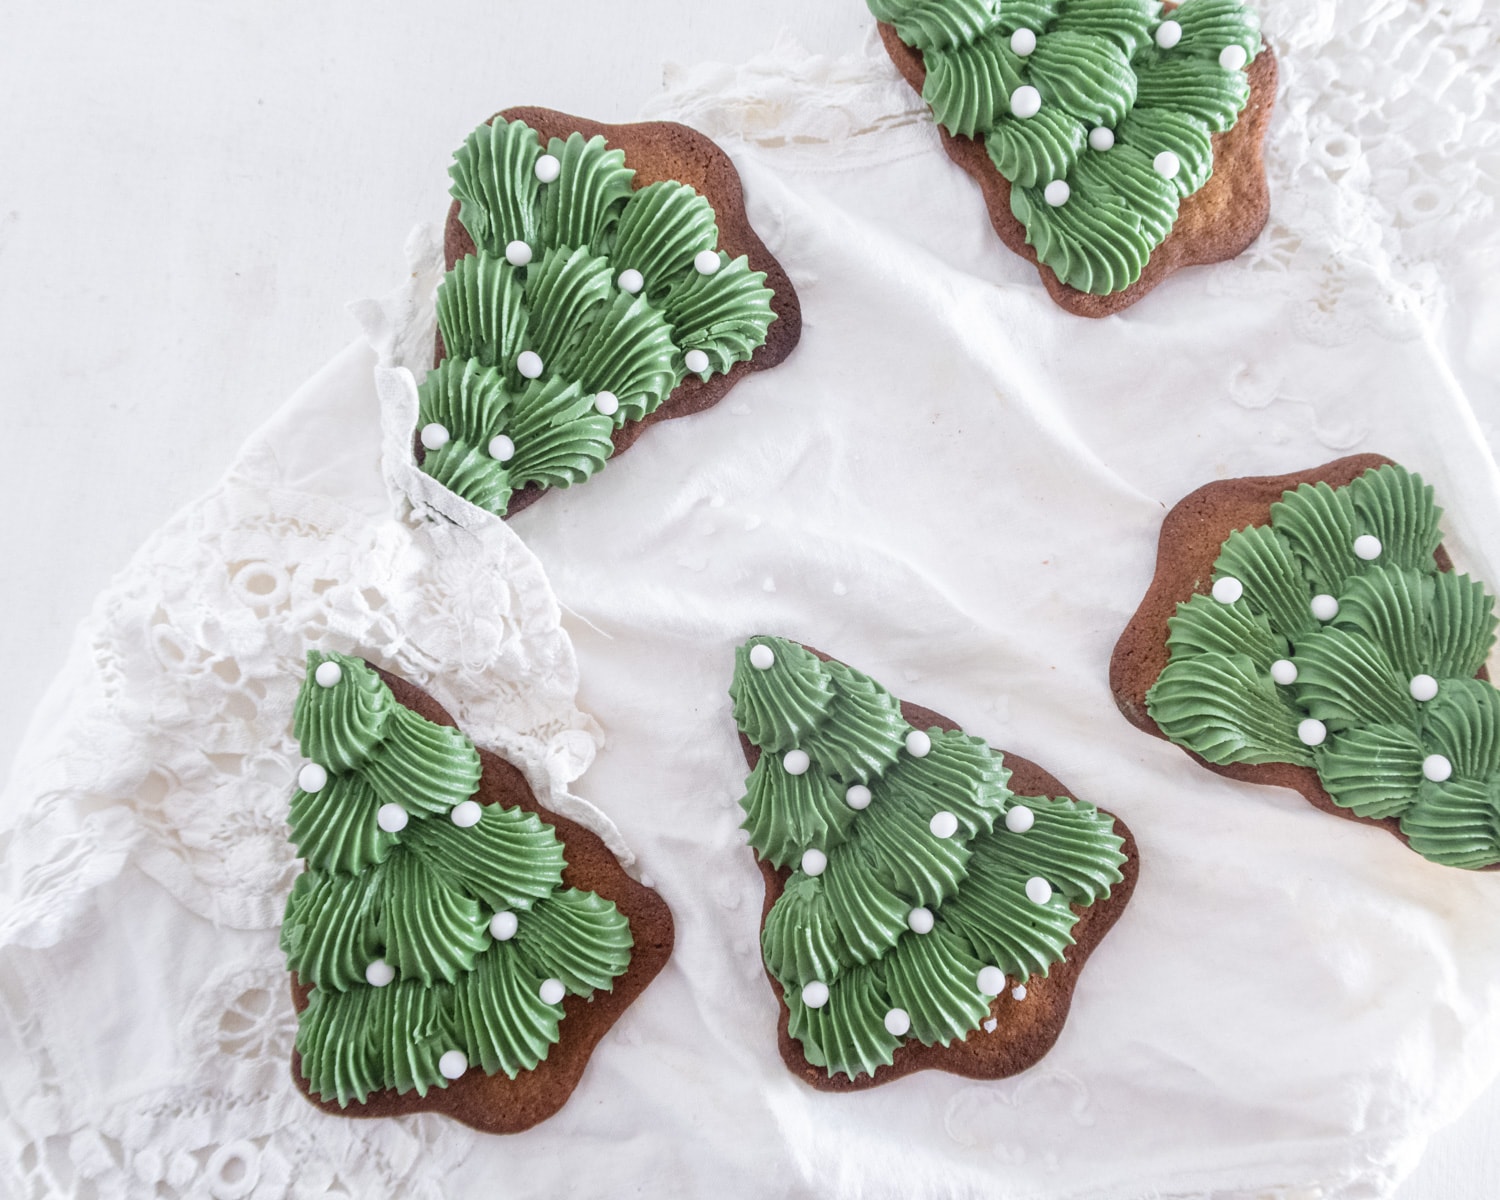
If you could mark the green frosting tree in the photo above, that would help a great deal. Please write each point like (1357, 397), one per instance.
(586, 303)
(434, 931)
(1100, 113)
(919, 883)
(1332, 640)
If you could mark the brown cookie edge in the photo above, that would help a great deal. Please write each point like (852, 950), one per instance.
(497, 1103)
(1216, 223)
(1027, 1029)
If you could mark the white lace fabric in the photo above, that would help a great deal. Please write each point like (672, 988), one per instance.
(951, 485)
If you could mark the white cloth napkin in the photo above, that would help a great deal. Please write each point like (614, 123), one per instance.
(951, 485)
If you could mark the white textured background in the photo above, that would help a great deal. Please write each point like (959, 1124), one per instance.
(190, 194)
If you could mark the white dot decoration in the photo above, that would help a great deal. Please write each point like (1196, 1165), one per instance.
(943, 824)
(1166, 164)
(1284, 672)
(1228, 589)
(696, 361)
(858, 797)
(1168, 34)
(1018, 992)
(1367, 546)
(991, 981)
(1437, 768)
(990, 1025)
(762, 657)
(1057, 193)
(453, 1064)
(1019, 818)
(391, 817)
(814, 861)
(1025, 101)
(815, 994)
(1038, 890)
(379, 973)
(1101, 138)
(551, 991)
(1233, 58)
(897, 1022)
(1423, 688)
(328, 674)
(606, 404)
(503, 926)
(502, 449)
(312, 778)
(631, 280)
(466, 815)
(1324, 607)
(548, 168)
(1022, 42)
(706, 262)
(529, 363)
(920, 920)
(918, 744)
(517, 253)
(434, 436)
(1311, 731)
(796, 762)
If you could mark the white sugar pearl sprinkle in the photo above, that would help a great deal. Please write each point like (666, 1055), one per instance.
(918, 744)
(1057, 193)
(1284, 672)
(696, 361)
(991, 981)
(453, 1064)
(529, 363)
(1168, 34)
(1367, 546)
(1228, 589)
(1025, 101)
(920, 920)
(1018, 992)
(1019, 818)
(943, 825)
(548, 168)
(391, 817)
(1166, 164)
(379, 973)
(631, 280)
(328, 674)
(857, 797)
(312, 778)
(762, 657)
(503, 926)
(1101, 138)
(606, 404)
(815, 994)
(1311, 731)
(502, 449)
(1233, 58)
(814, 862)
(1423, 687)
(897, 1022)
(434, 436)
(1324, 607)
(466, 814)
(1038, 890)
(517, 253)
(706, 262)
(796, 762)
(1437, 768)
(1022, 42)
(552, 991)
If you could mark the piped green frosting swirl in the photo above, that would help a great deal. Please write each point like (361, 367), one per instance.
(1401, 727)
(871, 802)
(1096, 64)
(545, 281)
(420, 896)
